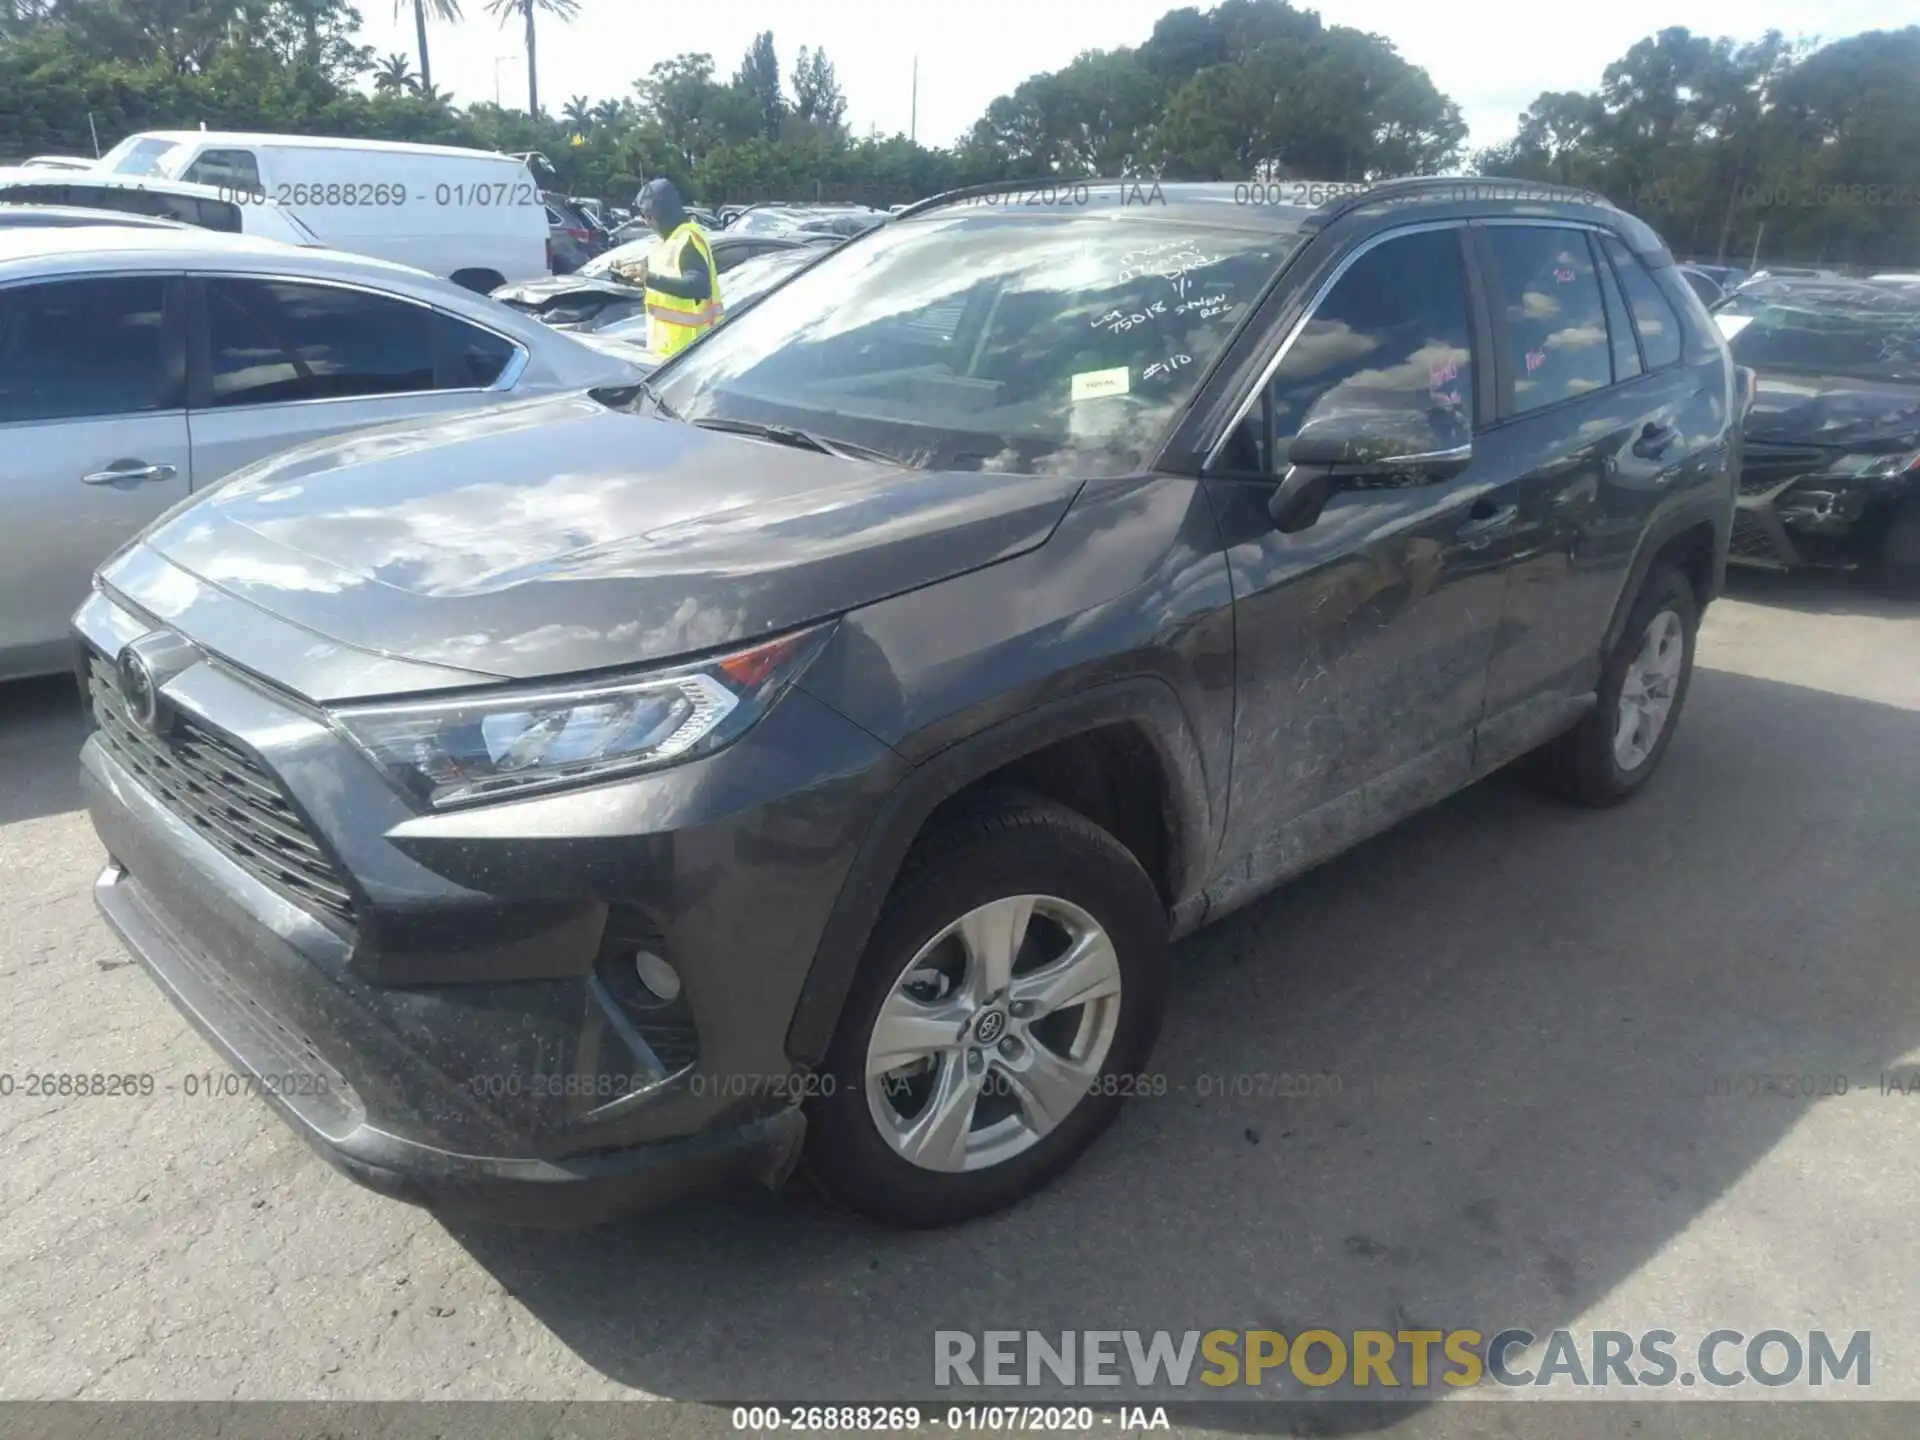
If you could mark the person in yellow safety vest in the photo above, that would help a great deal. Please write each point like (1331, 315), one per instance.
(683, 288)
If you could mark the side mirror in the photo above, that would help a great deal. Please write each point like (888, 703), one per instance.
(1342, 452)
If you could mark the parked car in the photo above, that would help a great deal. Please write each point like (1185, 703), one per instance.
(15, 216)
(582, 230)
(201, 206)
(768, 220)
(569, 243)
(470, 215)
(845, 224)
(609, 287)
(852, 713)
(138, 366)
(1831, 469)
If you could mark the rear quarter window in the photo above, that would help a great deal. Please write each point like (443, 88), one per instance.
(1654, 317)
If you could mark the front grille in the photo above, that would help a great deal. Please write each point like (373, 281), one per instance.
(206, 780)
(1750, 540)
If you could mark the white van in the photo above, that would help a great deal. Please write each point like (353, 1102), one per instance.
(471, 216)
(199, 205)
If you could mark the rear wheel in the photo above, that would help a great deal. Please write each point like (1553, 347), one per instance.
(1013, 987)
(1618, 744)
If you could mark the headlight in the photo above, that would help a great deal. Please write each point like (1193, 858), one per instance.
(520, 739)
(1876, 465)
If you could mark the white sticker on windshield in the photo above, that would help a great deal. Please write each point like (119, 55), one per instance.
(1092, 384)
(1732, 325)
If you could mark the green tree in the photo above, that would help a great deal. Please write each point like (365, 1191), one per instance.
(817, 101)
(527, 10)
(395, 74)
(578, 115)
(423, 10)
(759, 79)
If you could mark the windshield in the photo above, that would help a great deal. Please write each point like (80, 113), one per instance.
(970, 341)
(1873, 336)
(138, 157)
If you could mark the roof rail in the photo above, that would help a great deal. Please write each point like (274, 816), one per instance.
(1420, 184)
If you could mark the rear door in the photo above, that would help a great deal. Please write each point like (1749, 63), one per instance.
(1595, 415)
(93, 441)
(1363, 640)
(274, 363)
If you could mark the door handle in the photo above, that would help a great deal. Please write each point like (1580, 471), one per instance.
(1655, 440)
(1484, 522)
(130, 472)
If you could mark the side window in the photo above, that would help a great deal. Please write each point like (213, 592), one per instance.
(1555, 320)
(75, 348)
(470, 358)
(1653, 316)
(1626, 353)
(46, 195)
(222, 215)
(229, 169)
(271, 341)
(1391, 335)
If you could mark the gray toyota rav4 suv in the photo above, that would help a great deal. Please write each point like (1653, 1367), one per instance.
(811, 753)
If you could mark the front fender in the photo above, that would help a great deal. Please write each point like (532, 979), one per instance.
(1146, 701)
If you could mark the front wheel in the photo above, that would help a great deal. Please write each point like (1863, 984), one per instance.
(1010, 996)
(1618, 744)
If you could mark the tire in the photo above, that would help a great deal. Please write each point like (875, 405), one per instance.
(1584, 765)
(1011, 845)
(1900, 548)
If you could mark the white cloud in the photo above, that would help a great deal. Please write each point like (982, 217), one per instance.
(1492, 59)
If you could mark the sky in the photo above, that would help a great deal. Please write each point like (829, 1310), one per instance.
(1492, 59)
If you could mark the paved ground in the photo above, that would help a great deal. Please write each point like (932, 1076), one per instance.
(1522, 1004)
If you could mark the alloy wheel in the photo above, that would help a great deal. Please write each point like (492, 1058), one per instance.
(993, 1033)
(1647, 690)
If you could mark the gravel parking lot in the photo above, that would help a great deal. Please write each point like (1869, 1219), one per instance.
(1529, 1011)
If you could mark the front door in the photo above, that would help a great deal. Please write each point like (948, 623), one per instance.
(1363, 640)
(283, 362)
(93, 443)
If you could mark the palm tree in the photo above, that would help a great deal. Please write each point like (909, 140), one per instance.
(505, 9)
(578, 113)
(448, 10)
(395, 75)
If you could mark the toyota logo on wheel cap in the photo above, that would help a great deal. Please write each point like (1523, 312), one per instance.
(991, 1027)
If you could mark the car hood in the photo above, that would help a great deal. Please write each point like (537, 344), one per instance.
(539, 292)
(630, 346)
(1836, 412)
(562, 535)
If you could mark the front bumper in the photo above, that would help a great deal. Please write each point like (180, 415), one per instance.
(1802, 519)
(454, 1039)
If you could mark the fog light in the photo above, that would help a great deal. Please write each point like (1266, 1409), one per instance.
(657, 975)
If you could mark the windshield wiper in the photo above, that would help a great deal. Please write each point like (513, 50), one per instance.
(799, 439)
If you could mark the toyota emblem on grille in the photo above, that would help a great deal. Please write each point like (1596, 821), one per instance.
(143, 667)
(138, 692)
